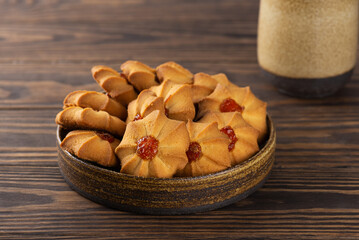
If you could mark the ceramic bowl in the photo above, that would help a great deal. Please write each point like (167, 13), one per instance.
(167, 196)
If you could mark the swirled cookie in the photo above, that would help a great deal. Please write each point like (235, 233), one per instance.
(87, 118)
(146, 102)
(93, 146)
(114, 84)
(243, 137)
(177, 99)
(207, 152)
(236, 99)
(156, 140)
(97, 101)
(174, 72)
(139, 75)
(204, 84)
(222, 79)
(154, 146)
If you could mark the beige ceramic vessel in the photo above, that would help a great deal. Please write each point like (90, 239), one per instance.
(308, 48)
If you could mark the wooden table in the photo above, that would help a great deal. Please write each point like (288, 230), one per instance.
(47, 49)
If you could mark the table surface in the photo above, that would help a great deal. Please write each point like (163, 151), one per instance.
(47, 49)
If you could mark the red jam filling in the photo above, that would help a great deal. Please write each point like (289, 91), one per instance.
(166, 112)
(137, 117)
(231, 135)
(194, 152)
(229, 105)
(147, 147)
(105, 136)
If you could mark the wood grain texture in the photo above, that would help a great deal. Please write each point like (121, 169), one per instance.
(47, 49)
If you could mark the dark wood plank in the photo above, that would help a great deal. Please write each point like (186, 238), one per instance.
(44, 202)
(54, 33)
(47, 49)
(34, 195)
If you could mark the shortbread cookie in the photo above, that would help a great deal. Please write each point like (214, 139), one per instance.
(139, 75)
(222, 79)
(146, 102)
(204, 84)
(93, 146)
(207, 152)
(177, 99)
(154, 146)
(97, 101)
(243, 137)
(114, 84)
(174, 72)
(237, 99)
(87, 118)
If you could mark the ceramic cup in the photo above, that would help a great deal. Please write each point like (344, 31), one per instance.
(308, 48)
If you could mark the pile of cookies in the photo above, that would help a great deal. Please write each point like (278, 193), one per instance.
(164, 122)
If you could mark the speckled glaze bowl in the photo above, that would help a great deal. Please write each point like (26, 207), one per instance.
(162, 196)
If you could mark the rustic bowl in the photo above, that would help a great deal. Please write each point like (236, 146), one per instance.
(167, 196)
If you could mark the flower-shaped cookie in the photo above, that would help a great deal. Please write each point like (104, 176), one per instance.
(222, 79)
(204, 84)
(87, 118)
(177, 99)
(93, 146)
(174, 72)
(208, 150)
(146, 102)
(114, 84)
(243, 137)
(97, 101)
(139, 75)
(154, 146)
(236, 99)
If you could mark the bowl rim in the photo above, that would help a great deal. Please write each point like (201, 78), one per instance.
(270, 138)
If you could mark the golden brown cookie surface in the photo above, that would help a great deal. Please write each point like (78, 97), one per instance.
(204, 84)
(243, 137)
(174, 72)
(97, 101)
(114, 84)
(154, 147)
(139, 75)
(93, 146)
(145, 103)
(156, 131)
(236, 99)
(177, 100)
(207, 152)
(87, 118)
